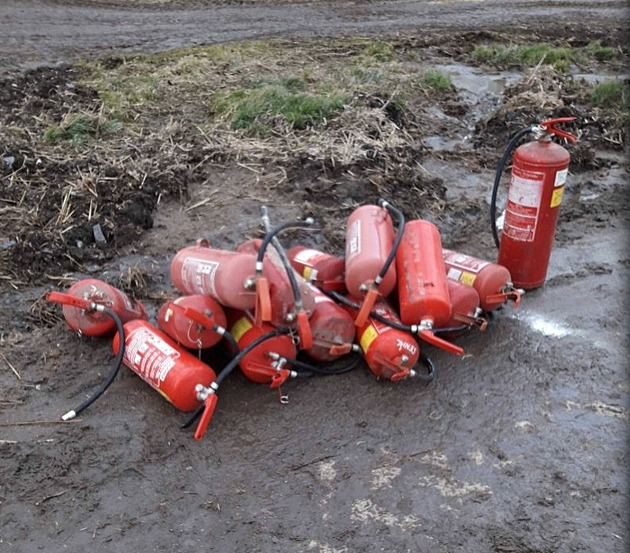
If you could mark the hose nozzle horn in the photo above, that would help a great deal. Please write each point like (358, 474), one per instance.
(68, 299)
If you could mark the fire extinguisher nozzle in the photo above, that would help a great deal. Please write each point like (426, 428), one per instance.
(68, 416)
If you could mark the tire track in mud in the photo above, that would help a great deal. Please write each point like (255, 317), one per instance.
(39, 32)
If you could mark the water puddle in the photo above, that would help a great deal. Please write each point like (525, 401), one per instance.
(482, 91)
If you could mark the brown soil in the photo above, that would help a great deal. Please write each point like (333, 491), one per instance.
(520, 446)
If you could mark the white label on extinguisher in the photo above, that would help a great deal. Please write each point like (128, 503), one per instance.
(561, 178)
(199, 275)
(150, 356)
(306, 257)
(464, 262)
(523, 205)
(353, 241)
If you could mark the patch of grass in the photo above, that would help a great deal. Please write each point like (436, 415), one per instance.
(287, 97)
(77, 127)
(437, 81)
(380, 51)
(527, 55)
(611, 95)
(599, 52)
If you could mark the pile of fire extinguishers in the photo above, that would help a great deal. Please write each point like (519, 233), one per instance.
(276, 303)
(268, 304)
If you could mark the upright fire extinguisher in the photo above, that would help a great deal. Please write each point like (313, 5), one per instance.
(539, 173)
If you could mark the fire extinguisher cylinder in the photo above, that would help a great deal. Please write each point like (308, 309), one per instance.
(93, 322)
(225, 275)
(539, 174)
(491, 281)
(192, 321)
(163, 364)
(370, 253)
(321, 269)
(258, 365)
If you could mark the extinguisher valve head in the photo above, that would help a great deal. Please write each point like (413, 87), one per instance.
(203, 393)
(249, 283)
(404, 360)
(290, 317)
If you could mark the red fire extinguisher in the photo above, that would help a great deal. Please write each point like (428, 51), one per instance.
(332, 328)
(226, 276)
(370, 251)
(539, 173)
(465, 310)
(258, 365)
(193, 321)
(321, 269)
(93, 322)
(422, 287)
(492, 282)
(389, 353)
(166, 367)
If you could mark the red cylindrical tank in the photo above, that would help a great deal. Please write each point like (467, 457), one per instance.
(257, 365)
(322, 269)
(389, 353)
(165, 366)
(332, 328)
(369, 240)
(189, 320)
(95, 323)
(464, 306)
(539, 172)
(422, 287)
(492, 282)
(281, 293)
(222, 274)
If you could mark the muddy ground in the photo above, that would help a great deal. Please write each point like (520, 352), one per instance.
(520, 446)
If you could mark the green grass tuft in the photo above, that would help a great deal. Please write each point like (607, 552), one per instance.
(252, 108)
(76, 128)
(437, 81)
(599, 52)
(611, 95)
(527, 55)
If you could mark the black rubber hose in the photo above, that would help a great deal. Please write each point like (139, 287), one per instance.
(397, 240)
(232, 365)
(111, 375)
(325, 370)
(297, 296)
(394, 324)
(430, 369)
(497, 179)
(229, 339)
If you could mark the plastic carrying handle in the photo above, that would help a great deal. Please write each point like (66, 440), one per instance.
(204, 421)
(550, 127)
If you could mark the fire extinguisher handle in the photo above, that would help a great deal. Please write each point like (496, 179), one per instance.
(206, 416)
(550, 127)
(366, 307)
(67, 299)
(262, 311)
(199, 318)
(432, 339)
(304, 330)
